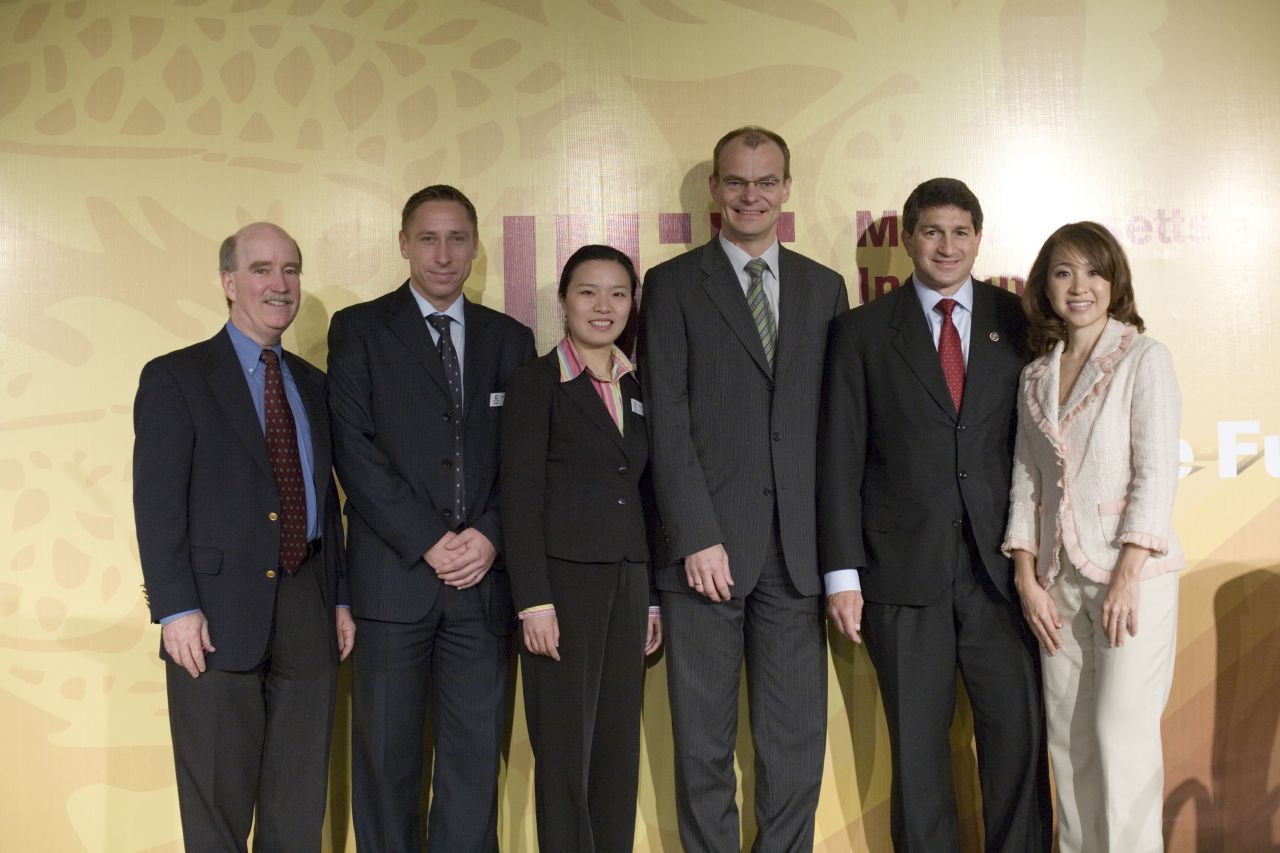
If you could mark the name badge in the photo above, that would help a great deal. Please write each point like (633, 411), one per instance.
(497, 398)
(637, 407)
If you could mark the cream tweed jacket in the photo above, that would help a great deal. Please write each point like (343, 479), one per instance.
(1102, 470)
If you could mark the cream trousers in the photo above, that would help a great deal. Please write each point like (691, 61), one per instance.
(1103, 707)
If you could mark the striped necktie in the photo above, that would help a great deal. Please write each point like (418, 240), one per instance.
(760, 307)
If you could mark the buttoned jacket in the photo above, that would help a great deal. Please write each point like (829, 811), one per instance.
(1101, 470)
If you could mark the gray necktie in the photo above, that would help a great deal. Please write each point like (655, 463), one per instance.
(453, 374)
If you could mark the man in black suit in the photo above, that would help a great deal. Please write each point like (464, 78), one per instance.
(915, 455)
(416, 392)
(732, 350)
(241, 547)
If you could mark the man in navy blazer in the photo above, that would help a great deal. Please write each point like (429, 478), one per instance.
(416, 391)
(252, 632)
(915, 459)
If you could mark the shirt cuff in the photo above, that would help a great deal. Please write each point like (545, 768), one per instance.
(166, 620)
(842, 580)
(537, 611)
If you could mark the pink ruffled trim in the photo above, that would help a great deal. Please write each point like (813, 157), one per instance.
(1154, 544)
(1015, 544)
(1107, 364)
(1066, 536)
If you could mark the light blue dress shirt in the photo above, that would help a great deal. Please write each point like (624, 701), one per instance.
(249, 354)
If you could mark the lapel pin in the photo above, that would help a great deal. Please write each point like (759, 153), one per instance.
(995, 336)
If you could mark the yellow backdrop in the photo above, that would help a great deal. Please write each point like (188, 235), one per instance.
(134, 136)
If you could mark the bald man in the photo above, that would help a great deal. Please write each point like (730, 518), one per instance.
(241, 546)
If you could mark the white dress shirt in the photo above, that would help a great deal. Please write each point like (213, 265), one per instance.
(457, 329)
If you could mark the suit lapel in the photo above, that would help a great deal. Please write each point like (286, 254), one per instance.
(406, 322)
(721, 284)
(636, 441)
(982, 350)
(582, 392)
(1092, 373)
(226, 380)
(317, 422)
(914, 344)
(794, 294)
(478, 361)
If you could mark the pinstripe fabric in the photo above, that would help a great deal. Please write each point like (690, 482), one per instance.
(733, 463)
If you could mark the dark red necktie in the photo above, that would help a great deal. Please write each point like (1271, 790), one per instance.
(950, 353)
(282, 447)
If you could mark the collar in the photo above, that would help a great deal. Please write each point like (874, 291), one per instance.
(454, 312)
(249, 351)
(738, 258)
(571, 366)
(929, 297)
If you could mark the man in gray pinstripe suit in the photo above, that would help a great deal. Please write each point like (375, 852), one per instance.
(731, 358)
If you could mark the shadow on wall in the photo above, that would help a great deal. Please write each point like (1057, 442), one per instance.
(695, 199)
(1236, 807)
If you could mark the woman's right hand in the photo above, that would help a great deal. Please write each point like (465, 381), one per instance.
(1037, 605)
(542, 636)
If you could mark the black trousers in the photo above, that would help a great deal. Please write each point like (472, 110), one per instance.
(917, 651)
(583, 710)
(451, 659)
(260, 737)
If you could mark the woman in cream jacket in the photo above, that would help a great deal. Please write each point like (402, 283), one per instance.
(1095, 556)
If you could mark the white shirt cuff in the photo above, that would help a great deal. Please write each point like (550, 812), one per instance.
(842, 580)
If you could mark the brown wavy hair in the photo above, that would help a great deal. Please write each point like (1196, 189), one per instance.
(1097, 246)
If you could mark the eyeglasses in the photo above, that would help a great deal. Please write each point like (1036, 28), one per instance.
(738, 185)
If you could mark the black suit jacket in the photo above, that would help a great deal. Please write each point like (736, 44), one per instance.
(571, 483)
(205, 498)
(901, 472)
(393, 435)
(729, 436)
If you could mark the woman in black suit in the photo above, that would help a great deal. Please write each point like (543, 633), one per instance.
(574, 449)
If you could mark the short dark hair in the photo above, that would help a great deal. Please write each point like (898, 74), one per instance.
(940, 192)
(598, 252)
(753, 136)
(1099, 248)
(438, 192)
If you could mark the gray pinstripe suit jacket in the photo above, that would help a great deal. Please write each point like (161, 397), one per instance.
(729, 436)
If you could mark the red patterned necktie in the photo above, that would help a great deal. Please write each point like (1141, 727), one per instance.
(282, 447)
(950, 353)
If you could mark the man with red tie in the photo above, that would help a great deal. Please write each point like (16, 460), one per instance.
(915, 457)
(241, 547)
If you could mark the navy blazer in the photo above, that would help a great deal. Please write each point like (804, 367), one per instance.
(205, 500)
